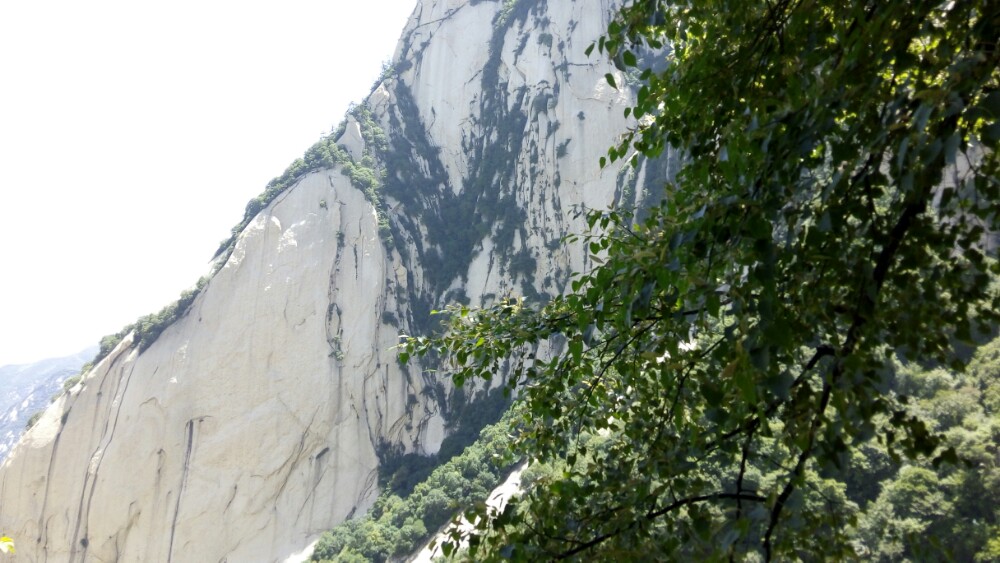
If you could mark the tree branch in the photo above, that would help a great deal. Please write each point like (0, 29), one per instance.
(799, 465)
(653, 514)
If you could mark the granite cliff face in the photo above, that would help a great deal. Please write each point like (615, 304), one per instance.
(255, 421)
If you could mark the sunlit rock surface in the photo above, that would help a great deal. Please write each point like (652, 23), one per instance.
(254, 422)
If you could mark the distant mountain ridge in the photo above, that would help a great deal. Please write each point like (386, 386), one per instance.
(26, 389)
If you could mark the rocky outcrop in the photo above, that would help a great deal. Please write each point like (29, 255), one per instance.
(251, 424)
(255, 421)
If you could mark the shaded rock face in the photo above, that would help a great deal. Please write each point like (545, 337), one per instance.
(255, 422)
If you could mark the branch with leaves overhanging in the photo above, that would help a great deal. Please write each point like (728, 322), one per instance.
(735, 342)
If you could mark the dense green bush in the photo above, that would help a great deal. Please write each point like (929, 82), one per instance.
(72, 381)
(921, 512)
(399, 473)
(33, 420)
(889, 508)
(398, 525)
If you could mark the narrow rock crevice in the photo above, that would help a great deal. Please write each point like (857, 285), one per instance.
(189, 449)
(93, 470)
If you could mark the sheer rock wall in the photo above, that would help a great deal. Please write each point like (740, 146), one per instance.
(253, 423)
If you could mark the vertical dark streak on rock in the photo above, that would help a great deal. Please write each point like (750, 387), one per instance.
(42, 527)
(180, 492)
(86, 498)
(232, 497)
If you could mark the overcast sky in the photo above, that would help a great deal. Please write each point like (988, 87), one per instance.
(132, 134)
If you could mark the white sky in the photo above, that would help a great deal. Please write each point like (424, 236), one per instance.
(132, 134)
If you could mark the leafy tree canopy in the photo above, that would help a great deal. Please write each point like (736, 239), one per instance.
(835, 211)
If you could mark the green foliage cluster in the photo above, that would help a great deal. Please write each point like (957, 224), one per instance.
(464, 421)
(149, 327)
(396, 526)
(33, 419)
(72, 381)
(365, 175)
(388, 72)
(336, 348)
(68, 384)
(296, 170)
(919, 511)
(882, 506)
(737, 343)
